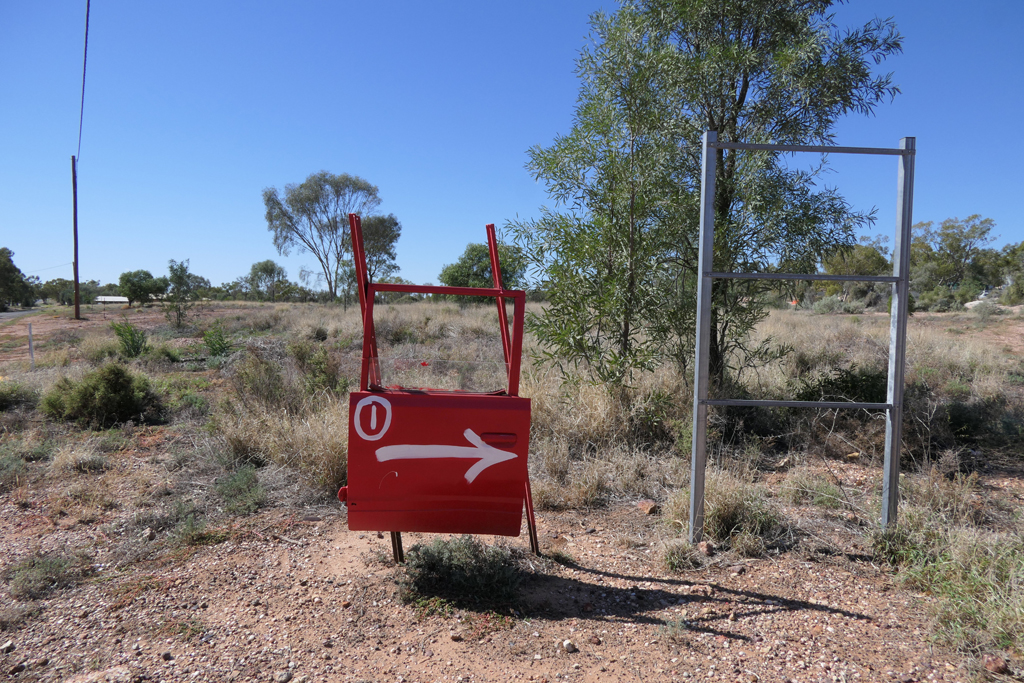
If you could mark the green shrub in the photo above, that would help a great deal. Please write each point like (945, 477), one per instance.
(104, 397)
(242, 492)
(854, 384)
(163, 353)
(36, 576)
(462, 570)
(132, 338)
(15, 395)
(833, 304)
(320, 369)
(216, 340)
(259, 379)
(12, 472)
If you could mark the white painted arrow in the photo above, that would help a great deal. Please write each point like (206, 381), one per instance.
(488, 455)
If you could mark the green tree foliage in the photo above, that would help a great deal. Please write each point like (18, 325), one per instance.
(140, 286)
(313, 217)
(951, 265)
(618, 256)
(181, 294)
(267, 279)
(860, 259)
(15, 288)
(473, 269)
(60, 290)
(380, 237)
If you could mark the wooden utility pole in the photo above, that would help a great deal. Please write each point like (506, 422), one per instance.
(74, 195)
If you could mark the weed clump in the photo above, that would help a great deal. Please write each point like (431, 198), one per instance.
(217, 342)
(12, 472)
(131, 338)
(463, 571)
(945, 546)
(242, 492)
(14, 395)
(36, 576)
(111, 395)
(737, 514)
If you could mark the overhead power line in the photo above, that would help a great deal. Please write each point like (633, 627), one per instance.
(85, 59)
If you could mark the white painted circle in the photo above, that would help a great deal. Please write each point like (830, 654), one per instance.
(387, 417)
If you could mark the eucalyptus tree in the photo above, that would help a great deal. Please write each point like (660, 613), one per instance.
(313, 217)
(618, 252)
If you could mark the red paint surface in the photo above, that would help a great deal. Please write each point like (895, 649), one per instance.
(432, 494)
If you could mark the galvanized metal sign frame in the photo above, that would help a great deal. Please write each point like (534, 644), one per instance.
(900, 281)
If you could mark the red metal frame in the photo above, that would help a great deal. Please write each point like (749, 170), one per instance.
(512, 347)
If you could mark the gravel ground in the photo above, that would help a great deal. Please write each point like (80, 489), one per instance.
(294, 595)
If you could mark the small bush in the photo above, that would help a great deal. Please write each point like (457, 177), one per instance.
(242, 492)
(462, 570)
(132, 338)
(216, 341)
(163, 353)
(320, 369)
(14, 395)
(104, 397)
(96, 350)
(83, 458)
(734, 512)
(804, 486)
(853, 384)
(833, 304)
(257, 378)
(36, 576)
(682, 556)
(12, 472)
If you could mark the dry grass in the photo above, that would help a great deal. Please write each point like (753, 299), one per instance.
(84, 458)
(315, 443)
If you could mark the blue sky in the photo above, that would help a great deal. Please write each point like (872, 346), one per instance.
(192, 108)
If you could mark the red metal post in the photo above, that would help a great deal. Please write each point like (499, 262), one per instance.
(492, 246)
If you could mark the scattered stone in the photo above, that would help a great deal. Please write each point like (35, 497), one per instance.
(594, 640)
(283, 677)
(817, 630)
(737, 569)
(42, 661)
(853, 456)
(149, 534)
(995, 664)
(569, 646)
(346, 604)
(456, 637)
(166, 656)
(591, 530)
(706, 548)
(17, 669)
(330, 643)
(648, 507)
(907, 678)
(732, 616)
(750, 677)
(7, 647)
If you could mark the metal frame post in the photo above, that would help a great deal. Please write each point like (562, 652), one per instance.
(698, 456)
(898, 334)
(900, 280)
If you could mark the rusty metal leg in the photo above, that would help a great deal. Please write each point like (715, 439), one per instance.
(531, 521)
(396, 547)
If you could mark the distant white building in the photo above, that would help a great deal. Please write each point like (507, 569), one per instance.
(111, 300)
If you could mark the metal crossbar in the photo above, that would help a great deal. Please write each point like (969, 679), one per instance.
(797, 276)
(824, 149)
(900, 280)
